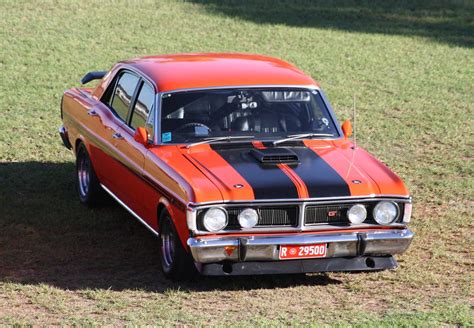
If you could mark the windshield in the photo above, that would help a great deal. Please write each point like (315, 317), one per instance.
(261, 114)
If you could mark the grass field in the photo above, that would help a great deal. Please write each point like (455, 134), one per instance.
(410, 65)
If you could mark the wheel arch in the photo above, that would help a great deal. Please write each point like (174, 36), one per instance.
(164, 204)
(77, 143)
(80, 139)
(183, 232)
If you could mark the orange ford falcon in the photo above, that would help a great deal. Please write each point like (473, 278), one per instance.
(237, 164)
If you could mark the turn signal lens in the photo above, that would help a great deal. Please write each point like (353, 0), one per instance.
(407, 213)
(357, 214)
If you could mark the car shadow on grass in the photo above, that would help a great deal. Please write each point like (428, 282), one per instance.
(47, 237)
(442, 21)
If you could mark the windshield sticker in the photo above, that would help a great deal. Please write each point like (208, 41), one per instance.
(166, 137)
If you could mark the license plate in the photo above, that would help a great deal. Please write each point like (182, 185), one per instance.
(288, 252)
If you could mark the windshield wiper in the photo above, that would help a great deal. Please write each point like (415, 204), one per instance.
(215, 139)
(302, 136)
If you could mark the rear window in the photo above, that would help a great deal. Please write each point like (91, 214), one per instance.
(123, 94)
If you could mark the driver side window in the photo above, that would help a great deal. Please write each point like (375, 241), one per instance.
(143, 106)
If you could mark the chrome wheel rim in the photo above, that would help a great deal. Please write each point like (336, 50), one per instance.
(167, 244)
(83, 175)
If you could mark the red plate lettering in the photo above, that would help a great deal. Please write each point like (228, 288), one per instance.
(288, 252)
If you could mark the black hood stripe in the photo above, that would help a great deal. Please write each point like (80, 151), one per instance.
(267, 182)
(320, 178)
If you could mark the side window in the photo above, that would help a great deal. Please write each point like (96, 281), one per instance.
(143, 106)
(123, 94)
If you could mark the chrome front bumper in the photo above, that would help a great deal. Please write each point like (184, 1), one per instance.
(266, 248)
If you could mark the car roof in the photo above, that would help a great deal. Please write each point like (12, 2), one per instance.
(206, 70)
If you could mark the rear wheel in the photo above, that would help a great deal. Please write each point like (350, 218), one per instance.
(88, 186)
(176, 263)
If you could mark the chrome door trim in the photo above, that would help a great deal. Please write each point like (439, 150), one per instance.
(129, 210)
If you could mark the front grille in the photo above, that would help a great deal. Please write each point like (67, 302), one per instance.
(287, 216)
(278, 217)
(283, 216)
(269, 217)
(332, 214)
(335, 214)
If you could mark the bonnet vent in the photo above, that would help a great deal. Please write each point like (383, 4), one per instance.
(273, 156)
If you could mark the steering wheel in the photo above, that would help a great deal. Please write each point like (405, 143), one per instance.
(192, 125)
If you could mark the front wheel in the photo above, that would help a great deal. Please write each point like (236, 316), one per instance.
(176, 263)
(88, 186)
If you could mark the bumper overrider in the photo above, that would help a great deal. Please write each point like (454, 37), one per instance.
(346, 251)
(64, 137)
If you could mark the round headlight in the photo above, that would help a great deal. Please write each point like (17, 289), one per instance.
(385, 212)
(248, 218)
(357, 214)
(215, 219)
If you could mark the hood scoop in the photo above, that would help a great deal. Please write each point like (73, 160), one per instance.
(274, 156)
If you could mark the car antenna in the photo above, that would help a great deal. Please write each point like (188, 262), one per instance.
(355, 122)
(354, 147)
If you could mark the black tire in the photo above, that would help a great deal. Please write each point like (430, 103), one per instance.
(176, 263)
(88, 187)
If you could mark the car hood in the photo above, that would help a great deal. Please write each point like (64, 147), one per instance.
(325, 169)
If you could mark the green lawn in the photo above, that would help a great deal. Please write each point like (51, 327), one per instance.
(410, 65)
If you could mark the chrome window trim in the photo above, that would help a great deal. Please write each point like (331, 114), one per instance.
(246, 86)
(302, 204)
(157, 125)
(139, 73)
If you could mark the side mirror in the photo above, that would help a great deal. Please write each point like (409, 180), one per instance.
(347, 128)
(141, 136)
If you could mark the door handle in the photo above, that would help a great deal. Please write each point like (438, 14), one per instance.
(117, 136)
(92, 112)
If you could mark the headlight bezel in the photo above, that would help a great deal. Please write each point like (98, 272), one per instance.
(207, 225)
(393, 220)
